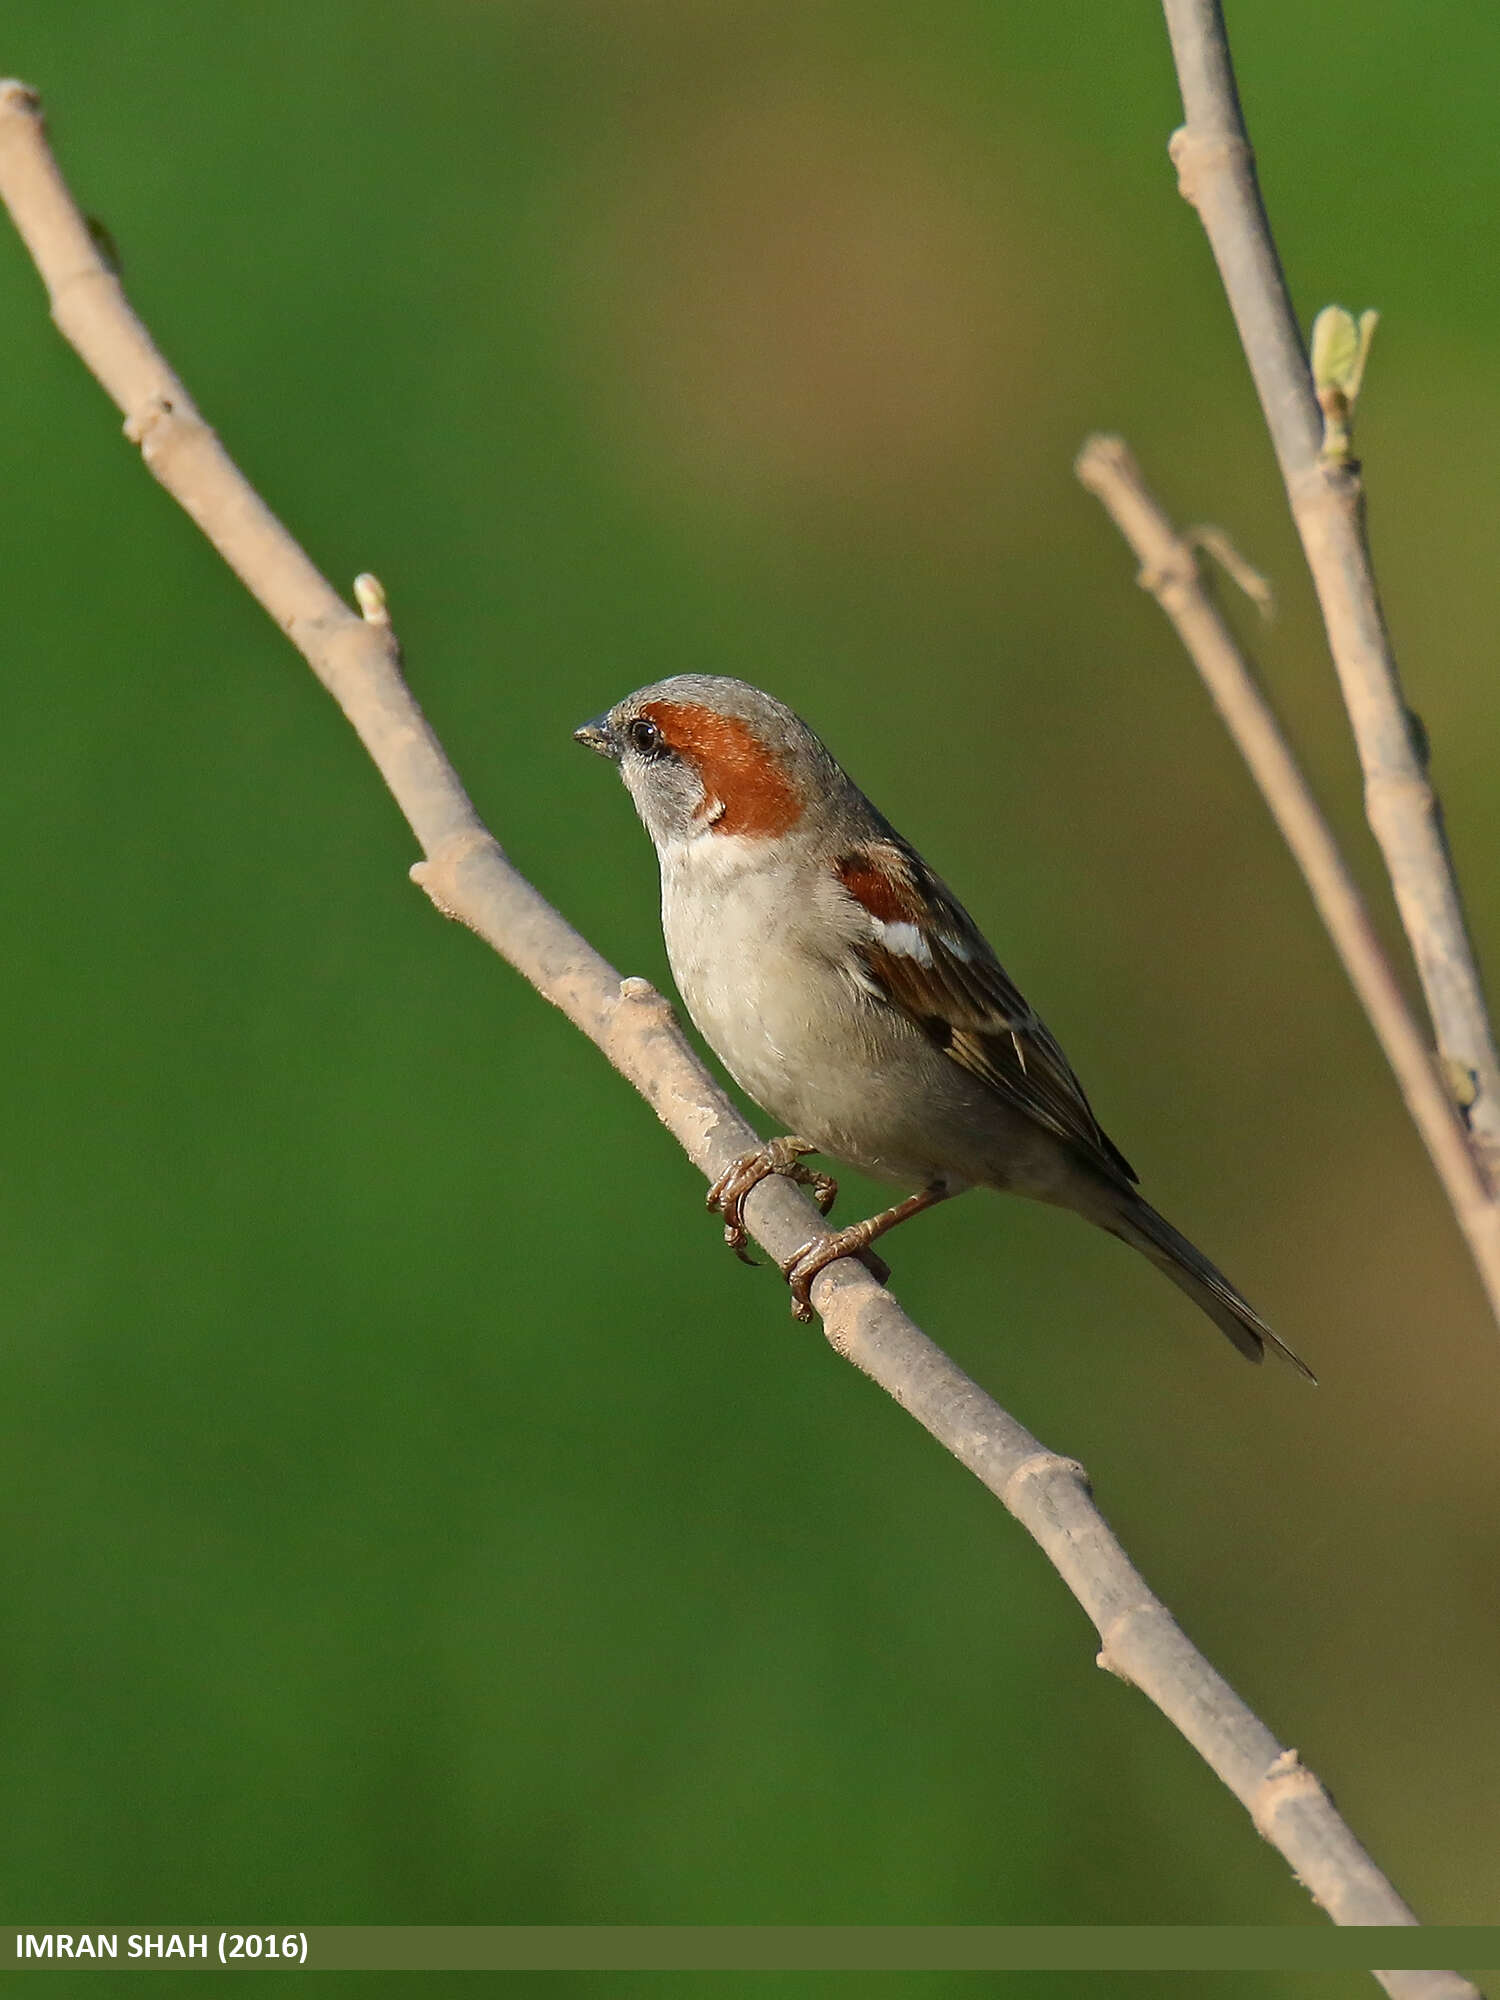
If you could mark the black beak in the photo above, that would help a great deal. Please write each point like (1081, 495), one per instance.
(597, 735)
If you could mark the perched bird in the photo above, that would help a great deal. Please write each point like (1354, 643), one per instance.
(845, 988)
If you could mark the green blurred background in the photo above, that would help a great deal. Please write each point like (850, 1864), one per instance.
(413, 1516)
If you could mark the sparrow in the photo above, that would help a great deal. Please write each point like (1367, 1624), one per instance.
(850, 994)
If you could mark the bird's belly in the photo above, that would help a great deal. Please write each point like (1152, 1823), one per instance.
(765, 1029)
(826, 1061)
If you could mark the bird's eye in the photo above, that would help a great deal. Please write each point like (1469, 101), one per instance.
(644, 736)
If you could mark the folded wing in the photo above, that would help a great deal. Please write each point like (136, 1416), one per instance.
(926, 956)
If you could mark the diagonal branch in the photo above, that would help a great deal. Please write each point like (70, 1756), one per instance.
(1169, 570)
(468, 877)
(1216, 173)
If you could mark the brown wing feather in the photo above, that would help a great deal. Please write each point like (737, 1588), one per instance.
(963, 999)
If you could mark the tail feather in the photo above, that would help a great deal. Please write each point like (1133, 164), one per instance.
(1139, 1225)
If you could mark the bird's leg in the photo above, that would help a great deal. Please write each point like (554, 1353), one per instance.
(777, 1156)
(800, 1270)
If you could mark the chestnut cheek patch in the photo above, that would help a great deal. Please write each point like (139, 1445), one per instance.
(745, 789)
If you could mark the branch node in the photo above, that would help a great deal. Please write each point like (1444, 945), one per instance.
(1393, 794)
(1460, 1082)
(638, 992)
(1046, 1465)
(369, 595)
(1196, 155)
(140, 424)
(421, 872)
(166, 422)
(1172, 570)
(434, 875)
(19, 99)
(1287, 1782)
(1112, 1634)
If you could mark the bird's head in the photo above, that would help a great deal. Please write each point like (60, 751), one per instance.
(706, 756)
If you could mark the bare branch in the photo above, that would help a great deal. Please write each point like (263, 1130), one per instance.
(1169, 570)
(468, 877)
(1216, 173)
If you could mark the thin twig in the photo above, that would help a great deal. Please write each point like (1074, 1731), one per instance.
(1216, 173)
(1169, 570)
(468, 877)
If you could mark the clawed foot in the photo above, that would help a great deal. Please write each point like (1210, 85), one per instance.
(778, 1156)
(784, 1156)
(855, 1241)
(804, 1265)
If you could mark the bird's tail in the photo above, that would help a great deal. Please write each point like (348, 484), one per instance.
(1136, 1222)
